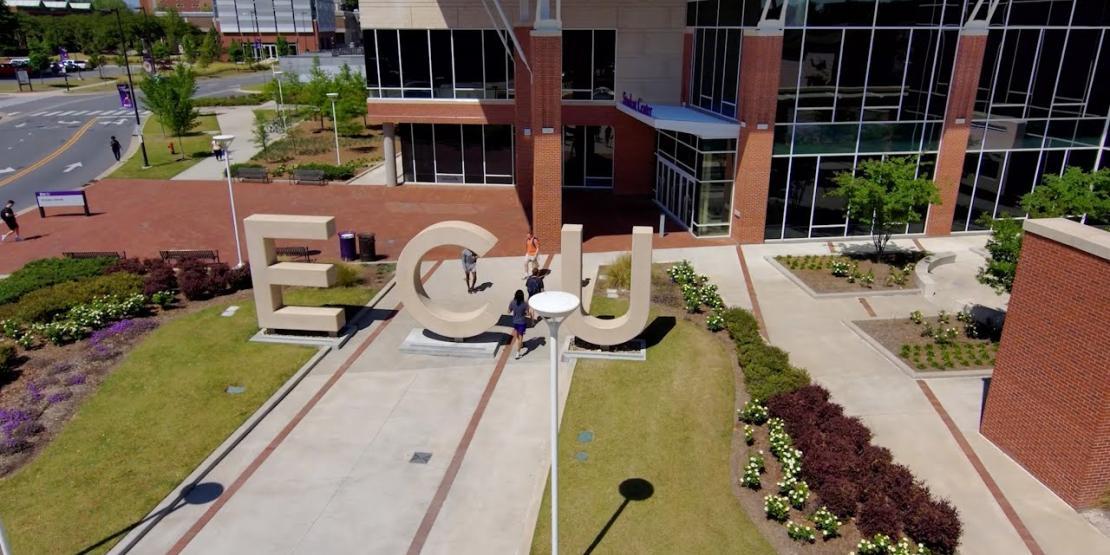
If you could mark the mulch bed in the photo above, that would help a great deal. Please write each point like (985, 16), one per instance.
(902, 337)
(50, 382)
(816, 271)
(365, 148)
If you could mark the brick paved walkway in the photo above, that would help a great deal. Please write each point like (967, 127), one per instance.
(143, 217)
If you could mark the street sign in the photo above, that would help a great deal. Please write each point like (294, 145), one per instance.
(125, 99)
(62, 55)
(23, 78)
(257, 44)
(53, 199)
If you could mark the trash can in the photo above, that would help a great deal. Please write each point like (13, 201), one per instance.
(347, 245)
(367, 252)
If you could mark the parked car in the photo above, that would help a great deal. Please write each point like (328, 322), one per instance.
(20, 62)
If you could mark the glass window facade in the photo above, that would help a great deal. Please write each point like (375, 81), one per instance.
(448, 153)
(588, 156)
(1041, 105)
(693, 180)
(438, 63)
(589, 64)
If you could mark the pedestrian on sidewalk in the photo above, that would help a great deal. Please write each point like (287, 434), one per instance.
(520, 312)
(116, 148)
(217, 149)
(8, 216)
(534, 284)
(470, 268)
(531, 254)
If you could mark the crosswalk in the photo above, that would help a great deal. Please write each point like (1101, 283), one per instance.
(85, 113)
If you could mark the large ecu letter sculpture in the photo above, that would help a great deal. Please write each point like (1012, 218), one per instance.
(270, 276)
(434, 317)
(623, 328)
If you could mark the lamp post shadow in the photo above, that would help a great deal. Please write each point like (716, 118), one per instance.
(632, 489)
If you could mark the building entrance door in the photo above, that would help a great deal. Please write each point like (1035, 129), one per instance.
(675, 191)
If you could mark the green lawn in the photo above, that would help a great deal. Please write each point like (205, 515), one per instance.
(164, 165)
(153, 420)
(334, 296)
(667, 421)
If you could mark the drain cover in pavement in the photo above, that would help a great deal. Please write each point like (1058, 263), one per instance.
(420, 457)
(581, 456)
(585, 436)
(235, 389)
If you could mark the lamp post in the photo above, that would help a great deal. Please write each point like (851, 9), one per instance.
(281, 99)
(5, 547)
(131, 84)
(225, 145)
(554, 306)
(335, 127)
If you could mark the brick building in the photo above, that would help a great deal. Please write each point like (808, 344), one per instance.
(734, 115)
(307, 25)
(1049, 399)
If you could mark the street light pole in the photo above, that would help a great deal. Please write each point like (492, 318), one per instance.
(131, 84)
(554, 306)
(335, 127)
(5, 547)
(225, 143)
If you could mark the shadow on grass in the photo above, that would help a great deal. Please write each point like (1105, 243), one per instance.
(632, 489)
(201, 493)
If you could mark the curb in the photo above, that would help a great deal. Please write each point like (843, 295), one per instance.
(905, 368)
(863, 292)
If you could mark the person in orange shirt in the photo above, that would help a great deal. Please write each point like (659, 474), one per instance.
(531, 254)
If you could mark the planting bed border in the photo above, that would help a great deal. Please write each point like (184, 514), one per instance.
(905, 368)
(639, 355)
(268, 335)
(923, 270)
(863, 291)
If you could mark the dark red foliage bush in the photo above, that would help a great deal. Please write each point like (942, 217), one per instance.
(129, 265)
(879, 515)
(194, 281)
(240, 278)
(839, 495)
(160, 278)
(853, 477)
(935, 524)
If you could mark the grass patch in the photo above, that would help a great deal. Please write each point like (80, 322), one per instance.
(254, 87)
(152, 421)
(164, 165)
(667, 420)
(332, 296)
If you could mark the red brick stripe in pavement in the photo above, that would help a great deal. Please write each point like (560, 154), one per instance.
(867, 307)
(288, 429)
(751, 293)
(999, 497)
(919, 246)
(448, 480)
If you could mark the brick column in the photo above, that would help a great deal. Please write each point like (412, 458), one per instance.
(546, 58)
(687, 59)
(957, 118)
(1048, 405)
(760, 58)
(523, 105)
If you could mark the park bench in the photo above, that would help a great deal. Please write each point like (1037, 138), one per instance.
(313, 177)
(253, 174)
(171, 256)
(95, 254)
(294, 252)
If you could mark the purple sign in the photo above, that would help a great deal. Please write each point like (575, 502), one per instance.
(638, 104)
(124, 96)
(62, 54)
(52, 199)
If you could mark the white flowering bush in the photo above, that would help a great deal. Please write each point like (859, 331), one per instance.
(882, 544)
(777, 507)
(826, 522)
(754, 412)
(780, 442)
(800, 532)
(681, 273)
(841, 268)
(715, 321)
(798, 494)
(82, 320)
(749, 434)
(752, 470)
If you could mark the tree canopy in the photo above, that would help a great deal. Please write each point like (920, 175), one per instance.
(170, 98)
(885, 195)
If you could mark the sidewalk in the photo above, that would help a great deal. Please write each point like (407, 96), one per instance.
(895, 408)
(233, 120)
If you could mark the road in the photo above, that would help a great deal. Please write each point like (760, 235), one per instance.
(56, 142)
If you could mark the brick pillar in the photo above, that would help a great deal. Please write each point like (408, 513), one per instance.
(957, 118)
(761, 55)
(1048, 405)
(523, 104)
(687, 59)
(546, 58)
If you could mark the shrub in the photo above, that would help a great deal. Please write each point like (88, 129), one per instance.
(7, 354)
(800, 532)
(936, 524)
(157, 274)
(682, 272)
(348, 275)
(331, 172)
(752, 470)
(45, 272)
(753, 412)
(252, 99)
(767, 369)
(839, 495)
(43, 304)
(879, 515)
(826, 523)
(194, 281)
(239, 278)
(777, 507)
(619, 273)
(236, 167)
(163, 298)
(749, 434)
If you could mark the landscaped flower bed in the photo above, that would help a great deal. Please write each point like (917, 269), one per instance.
(935, 343)
(840, 273)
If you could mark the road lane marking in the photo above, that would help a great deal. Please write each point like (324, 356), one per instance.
(45, 160)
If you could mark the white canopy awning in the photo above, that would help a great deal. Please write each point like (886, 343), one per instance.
(24, 3)
(685, 120)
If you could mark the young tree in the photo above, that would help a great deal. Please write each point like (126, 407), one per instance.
(235, 52)
(170, 98)
(282, 46)
(886, 195)
(210, 48)
(1076, 194)
(9, 25)
(261, 130)
(190, 48)
(39, 57)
